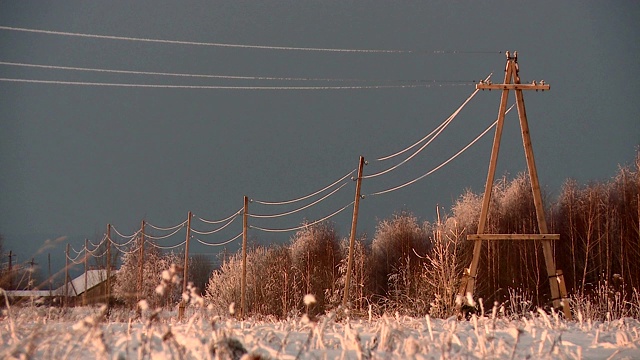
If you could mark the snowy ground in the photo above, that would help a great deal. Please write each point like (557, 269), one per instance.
(82, 333)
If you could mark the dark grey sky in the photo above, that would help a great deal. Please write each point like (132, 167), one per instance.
(75, 158)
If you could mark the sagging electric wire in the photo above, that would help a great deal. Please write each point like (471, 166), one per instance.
(104, 252)
(168, 247)
(242, 46)
(73, 260)
(218, 244)
(221, 87)
(298, 209)
(214, 76)
(130, 251)
(304, 225)
(447, 122)
(124, 236)
(163, 236)
(214, 230)
(305, 196)
(104, 238)
(442, 164)
(444, 123)
(76, 251)
(221, 220)
(167, 228)
(118, 246)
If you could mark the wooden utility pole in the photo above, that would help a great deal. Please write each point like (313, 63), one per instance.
(140, 262)
(66, 278)
(512, 82)
(86, 256)
(186, 255)
(185, 269)
(108, 240)
(243, 283)
(352, 237)
(11, 255)
(50, 278)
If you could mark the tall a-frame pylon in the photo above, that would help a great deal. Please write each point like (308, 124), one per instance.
(556, 280)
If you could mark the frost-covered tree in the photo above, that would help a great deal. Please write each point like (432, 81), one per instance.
(127, 288)
(444, 267)
(269, 282)
(316, 255)
(395, 265)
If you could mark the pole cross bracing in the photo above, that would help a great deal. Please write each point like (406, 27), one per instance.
(556, 280)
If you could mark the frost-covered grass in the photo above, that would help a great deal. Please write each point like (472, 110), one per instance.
(90, 333)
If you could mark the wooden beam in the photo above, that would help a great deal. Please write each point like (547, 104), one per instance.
(513, 87)
(491, 237)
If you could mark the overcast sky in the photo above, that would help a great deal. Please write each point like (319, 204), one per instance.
(75, 158)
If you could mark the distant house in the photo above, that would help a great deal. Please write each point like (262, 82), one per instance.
(96, 290)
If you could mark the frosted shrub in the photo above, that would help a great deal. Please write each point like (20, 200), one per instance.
(443, 268)
(315, 256)
(605, 302)
(396, 266)
(127, 289)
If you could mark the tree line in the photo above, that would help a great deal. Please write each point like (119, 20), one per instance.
(415, 266)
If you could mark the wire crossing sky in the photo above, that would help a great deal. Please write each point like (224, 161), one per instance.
(242, 46)
(121, 112)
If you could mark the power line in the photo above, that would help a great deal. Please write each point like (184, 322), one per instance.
(305, 196)
(220, 87)
(444, 123)
(218, 244)
(221, 220)
(242, 46)
(442, 164)
(212, 76)
(167, 228)
(304, 225)
(442, 127)
(300, 208)
(215, 230)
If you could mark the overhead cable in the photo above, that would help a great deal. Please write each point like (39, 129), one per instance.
(100, 243)
(166, 247)
(214, 230)
(218, 244)
(305, 196)
(210, 76)
(93, 254)
(242, 46)
(298, 209)
(130, 251)
(164, 236)
(221, 220)
(167, 228)
(221, 87)
(444, 123)
(124, 236)
(304, 225)
(442, 164)
(73, 260)
(76, 251)
(132, 239)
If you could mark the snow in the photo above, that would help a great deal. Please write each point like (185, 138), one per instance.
(86, 333)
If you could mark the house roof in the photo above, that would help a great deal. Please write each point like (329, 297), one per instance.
(76, 286)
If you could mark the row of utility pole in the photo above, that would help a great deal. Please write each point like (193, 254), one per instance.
(512, 82)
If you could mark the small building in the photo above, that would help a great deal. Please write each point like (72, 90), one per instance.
(74, 290)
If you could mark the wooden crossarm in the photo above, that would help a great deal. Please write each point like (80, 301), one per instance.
(513, 87)
(475, 237)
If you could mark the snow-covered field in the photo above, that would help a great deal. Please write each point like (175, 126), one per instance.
(84, 333)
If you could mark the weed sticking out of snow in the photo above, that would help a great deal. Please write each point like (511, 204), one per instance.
(87, 333)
